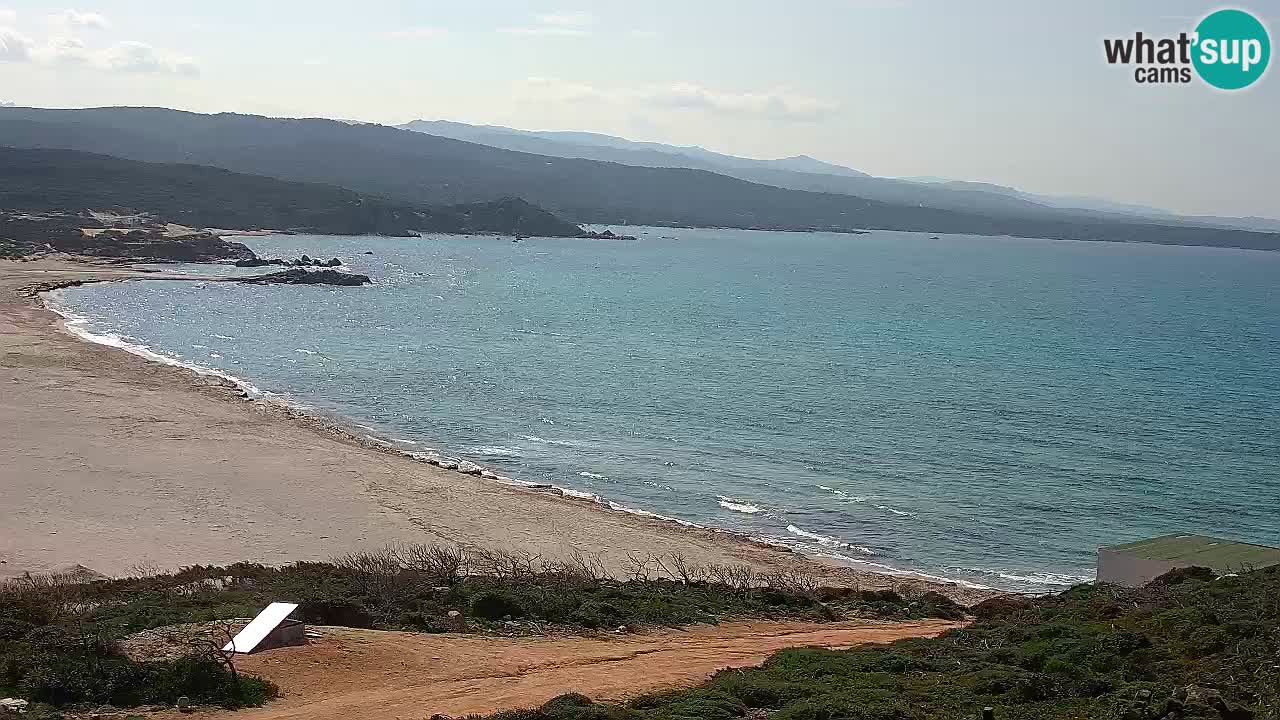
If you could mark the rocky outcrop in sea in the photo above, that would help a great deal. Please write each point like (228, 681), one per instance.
(300, 276)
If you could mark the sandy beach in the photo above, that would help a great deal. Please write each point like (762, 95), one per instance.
(121, 464)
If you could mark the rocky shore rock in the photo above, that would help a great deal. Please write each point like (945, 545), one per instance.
(303, 261)
(605, 235)
(299, 276)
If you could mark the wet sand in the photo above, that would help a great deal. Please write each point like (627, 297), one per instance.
(121, 464)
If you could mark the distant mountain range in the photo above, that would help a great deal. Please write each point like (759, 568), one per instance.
(805, 173)
(419, 169)
(627, 152)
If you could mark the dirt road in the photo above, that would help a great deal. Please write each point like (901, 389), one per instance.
(352, 674)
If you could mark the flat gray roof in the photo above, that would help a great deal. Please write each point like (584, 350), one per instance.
(1216, 553)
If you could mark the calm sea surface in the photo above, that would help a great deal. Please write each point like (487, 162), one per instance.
(984, 409)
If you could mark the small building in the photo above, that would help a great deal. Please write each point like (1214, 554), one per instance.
(273, 628)
(1137, 563)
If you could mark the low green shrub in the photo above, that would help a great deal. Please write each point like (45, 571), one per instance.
(496, 605)
(1096, 652)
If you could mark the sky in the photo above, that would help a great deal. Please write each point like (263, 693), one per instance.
(1016, 93)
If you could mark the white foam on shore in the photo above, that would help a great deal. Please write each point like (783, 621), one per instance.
(827, 540)
(656, 516)
(740, 506)
(545, 441)
(78, 325)
(509, 451)
(1035, 577)
(580, 495)
(883, 569)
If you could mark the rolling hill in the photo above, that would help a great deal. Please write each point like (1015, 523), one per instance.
(42, 180)
(417, 168)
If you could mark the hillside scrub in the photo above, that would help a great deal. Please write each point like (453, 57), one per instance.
(1185, 646)
(61, 638)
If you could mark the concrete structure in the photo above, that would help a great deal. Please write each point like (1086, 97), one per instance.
(1138, 563)
(271, 629)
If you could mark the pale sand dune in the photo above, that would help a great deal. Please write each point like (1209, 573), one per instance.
(118, 463)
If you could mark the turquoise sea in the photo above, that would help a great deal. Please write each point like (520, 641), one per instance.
(984, 409)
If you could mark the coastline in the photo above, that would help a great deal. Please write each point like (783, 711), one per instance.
(297, 487)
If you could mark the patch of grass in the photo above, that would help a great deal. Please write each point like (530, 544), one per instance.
(60, 665)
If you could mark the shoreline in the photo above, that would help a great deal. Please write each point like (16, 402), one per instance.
(446, 459)
(661, 534)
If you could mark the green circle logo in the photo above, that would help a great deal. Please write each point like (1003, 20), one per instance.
(1232, 49)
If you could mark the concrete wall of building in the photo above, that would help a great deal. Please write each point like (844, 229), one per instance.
(1122, 569)
(288, 633)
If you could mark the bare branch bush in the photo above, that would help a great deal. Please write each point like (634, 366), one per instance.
(792, 580)
(640, 568)
(678, 567)
(442, 564)
(578, 568)
(506, 564)
(742, 577)
(211, 645)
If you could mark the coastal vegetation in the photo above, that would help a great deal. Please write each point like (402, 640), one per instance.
(197, 196)
(62, 639)
(1188, 645)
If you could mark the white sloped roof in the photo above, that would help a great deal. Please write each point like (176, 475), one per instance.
(260, 627)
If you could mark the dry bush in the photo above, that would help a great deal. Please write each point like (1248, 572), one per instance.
(382, 561)
(376, 574)
(579, 568)
(641, 568)
(443, 564)
(742, 577)
(678, 567)
(793, 580)
(506, 564)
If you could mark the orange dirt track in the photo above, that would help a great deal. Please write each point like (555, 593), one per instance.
(354, 674)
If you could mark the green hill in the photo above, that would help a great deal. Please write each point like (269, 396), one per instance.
(423, 169)
(43, 180)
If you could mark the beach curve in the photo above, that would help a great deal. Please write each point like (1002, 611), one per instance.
(154, 466)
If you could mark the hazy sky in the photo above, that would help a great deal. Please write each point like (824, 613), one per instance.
(1016, 93)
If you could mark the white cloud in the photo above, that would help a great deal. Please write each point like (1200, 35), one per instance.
(130, 56)
(63, 51)
(14, 46)
(566, 19)
(138, 57)
(8, 17)
(558, 24)
(64, 47)
(77, 19)
(776, 104)
(544, 30)
(419, 33)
